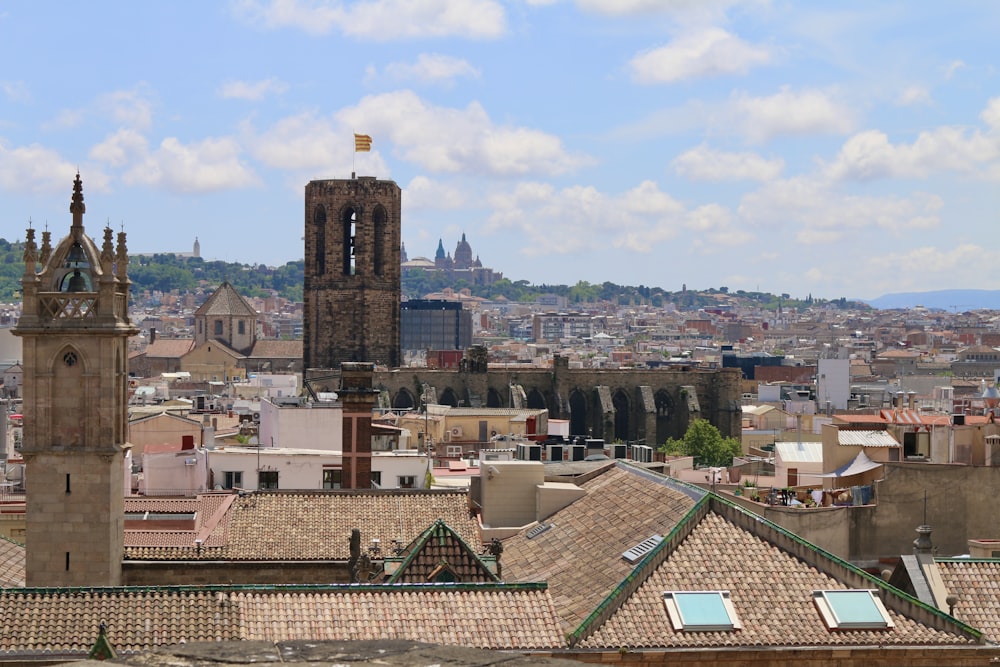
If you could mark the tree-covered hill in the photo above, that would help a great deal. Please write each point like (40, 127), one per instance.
(168, 273)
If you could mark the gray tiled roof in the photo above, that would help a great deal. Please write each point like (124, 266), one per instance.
(226, 301)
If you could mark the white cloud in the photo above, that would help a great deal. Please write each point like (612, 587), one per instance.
(714, 227)
(583, 218)
(206, 166)
(991, 114)
(128, 108)
(314, 144)
(35, 168)
(443, 139)
(705, 10)
(121, 148)
(788, 113)
(381, 20)
(423, 193)
(252, 90)
(870, 154)
(709, 52)
(704, 164)
(952, 68)
(821, 213)
(431, 68)
(16, 91)
(67, 118)
(914, 95)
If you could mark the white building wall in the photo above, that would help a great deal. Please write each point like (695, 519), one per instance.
(180, 473)
(302, 427)
(302, 470)
(833, 383)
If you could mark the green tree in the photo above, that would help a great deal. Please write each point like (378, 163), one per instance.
(704, 442)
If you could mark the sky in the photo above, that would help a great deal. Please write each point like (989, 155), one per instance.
(833, 149)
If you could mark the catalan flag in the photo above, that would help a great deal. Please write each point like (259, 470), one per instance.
(362, 143)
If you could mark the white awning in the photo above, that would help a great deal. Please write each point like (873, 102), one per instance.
(860, 464)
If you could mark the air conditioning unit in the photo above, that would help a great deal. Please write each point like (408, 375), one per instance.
(456, 432)
(529, 452)
(577, 452)
(554, 452)
(619, 451)
(642, 453)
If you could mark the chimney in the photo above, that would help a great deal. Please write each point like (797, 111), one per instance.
(152, 335)
(357, 397)
(923, 545)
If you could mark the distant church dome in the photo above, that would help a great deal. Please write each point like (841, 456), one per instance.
(463, 254)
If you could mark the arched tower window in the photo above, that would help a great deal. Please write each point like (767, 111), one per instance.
(379, 219)
(319, 259)
(350, 226)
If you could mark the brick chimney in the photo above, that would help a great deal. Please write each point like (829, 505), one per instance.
(357, 397)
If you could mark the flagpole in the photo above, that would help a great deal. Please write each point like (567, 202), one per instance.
(354, 157)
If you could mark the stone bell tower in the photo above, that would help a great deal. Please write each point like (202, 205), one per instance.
(74, 328)
(352, 272)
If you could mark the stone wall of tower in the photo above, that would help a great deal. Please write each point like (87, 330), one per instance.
(75, 339)
(352, 301)
(85, 491)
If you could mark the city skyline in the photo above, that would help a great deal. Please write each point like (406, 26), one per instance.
(847, 151)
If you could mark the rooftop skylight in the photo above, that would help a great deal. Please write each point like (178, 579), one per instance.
(701, 611)
(852, 610)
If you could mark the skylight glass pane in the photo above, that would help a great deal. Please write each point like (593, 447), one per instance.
(703, 611)
(855, 609)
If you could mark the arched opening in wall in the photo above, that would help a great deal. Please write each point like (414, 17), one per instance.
(493, 399)
(448, 397)
(403, 401)
(664, 413)
(379, 219)
(349, 225)
(620, 401)
(536, 401)
(578, 424)
(319, 250)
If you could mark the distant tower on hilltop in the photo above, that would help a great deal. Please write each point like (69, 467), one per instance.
(352, 272)
(74, 328)
(196, 251)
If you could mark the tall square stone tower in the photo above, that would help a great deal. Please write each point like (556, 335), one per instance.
(352, 272)
(75, 328)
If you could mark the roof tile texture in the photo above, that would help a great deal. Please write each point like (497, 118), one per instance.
(770, 589)
(50, 620)
(580, 556)
(311, 526)
(976, 584)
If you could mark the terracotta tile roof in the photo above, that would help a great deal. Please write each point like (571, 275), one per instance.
(169, 348)
(276, 349)
(581, 555)
(976, 584)
(316, 525)
(440, 554)
(771, 590)
(54, 622)
(226, 301)
(11, 564)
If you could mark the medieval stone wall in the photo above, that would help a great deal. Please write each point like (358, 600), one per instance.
(629, 405)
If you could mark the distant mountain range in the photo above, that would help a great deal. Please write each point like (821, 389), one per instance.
(952, 300)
